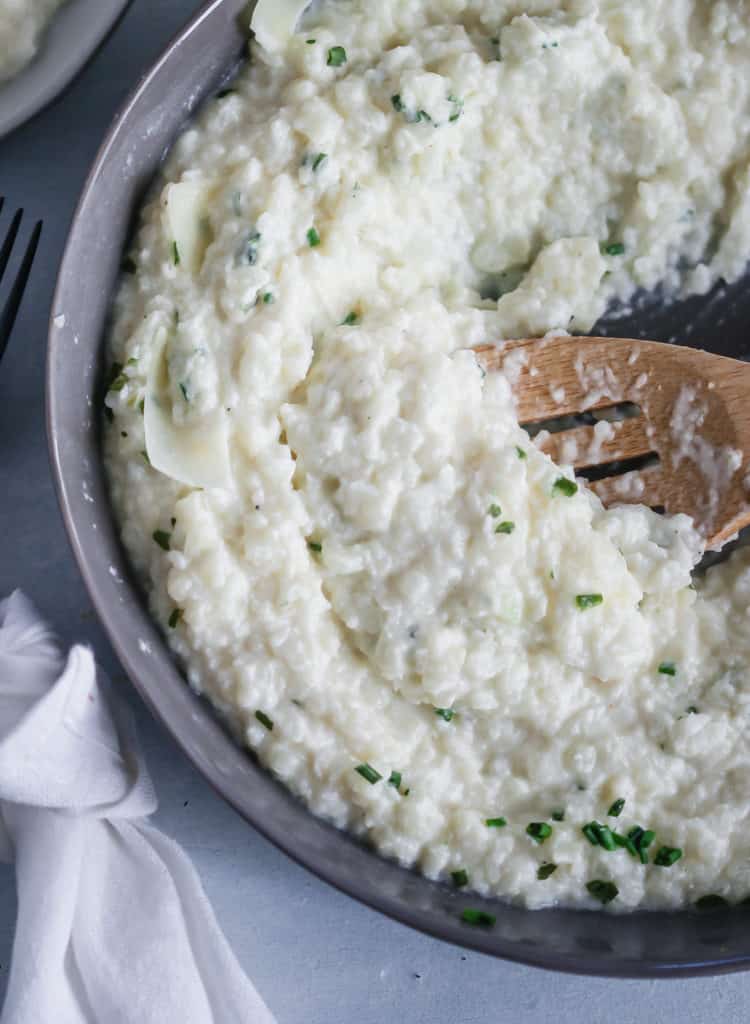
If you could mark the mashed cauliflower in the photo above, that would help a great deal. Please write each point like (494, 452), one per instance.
(21, 25)
(425, 628)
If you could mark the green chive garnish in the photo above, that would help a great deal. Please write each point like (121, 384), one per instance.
(264, 720)
(668, 668)
(460, 878)
(558, 814)
(336, 56)
(175, 617)
(313, 238)
(445, 713)
(398, 105)
(600, 835)
(565, 486)
(625, 843)
(692, 710)
(162, 538)
(394, 779)
(539, 831)
(506, 527)
(584, 601)
(495, 822)
(319, 160)
(616, 809)
(614, 249)
(368, 773)
(478, 917)
(666, 856)
(175, 254)
(494, 511)
(712, 901)
(545, 870)
(311, 42)
(350, 319)
(521, 453)
(642, 839)
(268, 299)
(315, 546)
(604, 892)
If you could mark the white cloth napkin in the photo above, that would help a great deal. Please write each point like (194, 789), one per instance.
(113, 924)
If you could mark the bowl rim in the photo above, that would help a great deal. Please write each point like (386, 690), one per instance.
(444, 927)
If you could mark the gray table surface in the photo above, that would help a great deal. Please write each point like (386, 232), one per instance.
(315, 955)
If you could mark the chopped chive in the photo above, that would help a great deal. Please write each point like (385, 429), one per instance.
(591, 832)
(521, 453)
(600, 835)
(584, 601)
(264, 720)
(460, 878)
(494, 511)
(545, 870)
(692, 710)
(162, 538)
(613, 249)
(445, 713)
(625, 843)
(397, 104)
(606, 839)
(565, 486)
(615, 809)
(711, 901)
(268, 299)
(506, 527)
(642, 839)
(495, 822)
(315, 546)
(668, 668)
(311, 42)
(319, 160)
(602, 891)
(184, 391)
(313, 238)
(175, 618)
(368, 773)
(336, 56)
(175, 254)
(666, 856)
(394, 779)
(539, 831)
(478, 917)
(558, 814)
(458, 107)
(250, 251)
(350, 319)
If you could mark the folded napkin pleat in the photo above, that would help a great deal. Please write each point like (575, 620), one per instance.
(113, 925)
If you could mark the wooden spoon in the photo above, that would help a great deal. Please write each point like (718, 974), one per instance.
(674, 421)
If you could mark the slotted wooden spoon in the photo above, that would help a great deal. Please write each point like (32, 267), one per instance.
(677, 433)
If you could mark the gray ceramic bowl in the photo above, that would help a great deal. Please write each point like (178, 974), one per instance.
(598, 943)
(76, 32)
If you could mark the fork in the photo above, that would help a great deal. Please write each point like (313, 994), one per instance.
(10, 297)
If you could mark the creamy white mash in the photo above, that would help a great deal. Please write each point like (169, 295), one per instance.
(21, 25)
(418, 622)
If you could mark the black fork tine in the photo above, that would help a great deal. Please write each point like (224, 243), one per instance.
(9, 310)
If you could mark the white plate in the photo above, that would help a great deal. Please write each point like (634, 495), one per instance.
(74, 34)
